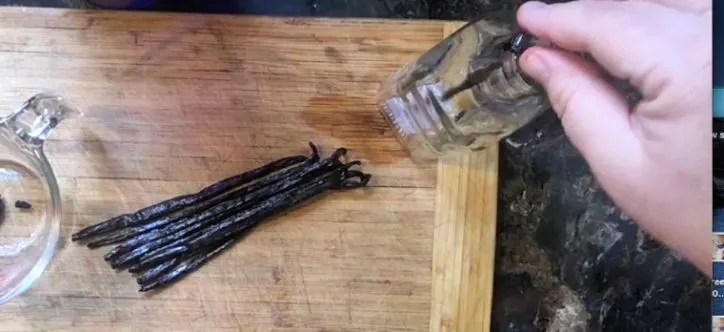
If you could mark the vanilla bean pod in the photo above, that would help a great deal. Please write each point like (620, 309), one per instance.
(147, 254)
(138, 245)
(185, 267)
(191, 225)
(166, 241)
(127, 234)
(141, 232)
(262, 191)
(249, 218)
(338, 179)
(182, 201)
(154, 257)
(150, 272)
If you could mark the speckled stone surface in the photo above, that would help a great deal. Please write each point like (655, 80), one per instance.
(567, 258)
(590, 266)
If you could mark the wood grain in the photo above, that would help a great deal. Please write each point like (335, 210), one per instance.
(464, 239)
(176, 101)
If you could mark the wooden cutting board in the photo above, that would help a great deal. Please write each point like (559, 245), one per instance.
(174, 101)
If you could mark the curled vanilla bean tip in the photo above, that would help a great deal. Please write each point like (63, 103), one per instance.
(315, 151)
(338, 154)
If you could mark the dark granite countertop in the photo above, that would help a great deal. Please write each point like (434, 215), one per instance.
(568, 259)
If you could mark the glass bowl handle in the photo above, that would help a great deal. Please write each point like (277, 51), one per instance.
(34, 121)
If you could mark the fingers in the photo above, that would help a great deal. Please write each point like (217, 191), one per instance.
(616, 33)
(595, 117)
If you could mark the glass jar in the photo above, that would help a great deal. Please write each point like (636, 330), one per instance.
(30, 201)
(432, 115)
(468, 92)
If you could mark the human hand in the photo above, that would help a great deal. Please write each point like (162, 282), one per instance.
(655, 159)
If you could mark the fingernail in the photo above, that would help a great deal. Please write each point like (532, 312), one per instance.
(534, 66)
(533, 5)
(533, 10)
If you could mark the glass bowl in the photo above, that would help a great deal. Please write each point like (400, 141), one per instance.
(30, 201)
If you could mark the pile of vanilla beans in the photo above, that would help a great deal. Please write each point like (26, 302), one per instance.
(165, 241)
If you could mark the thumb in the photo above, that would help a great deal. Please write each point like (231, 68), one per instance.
(594, 115)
